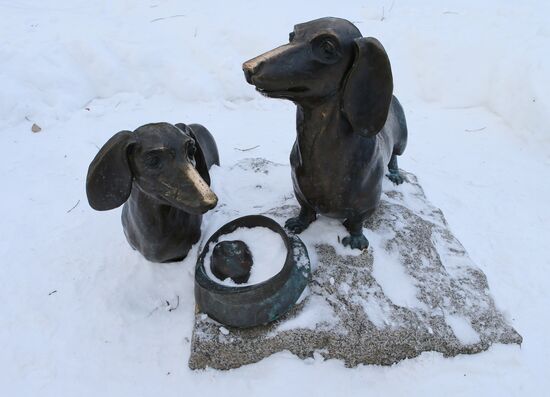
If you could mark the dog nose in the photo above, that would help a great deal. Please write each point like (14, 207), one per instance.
(250, 68)
(247, 74)
(210, 202)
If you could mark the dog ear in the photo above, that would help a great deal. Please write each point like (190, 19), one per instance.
(200, 159)
(368, 88)
(109, 180)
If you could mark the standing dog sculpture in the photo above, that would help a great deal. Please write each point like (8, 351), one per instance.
(160, 172)
(349, 124)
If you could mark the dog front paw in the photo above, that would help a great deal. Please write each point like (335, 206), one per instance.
(296, 225)
(359, 242)
(396, 177)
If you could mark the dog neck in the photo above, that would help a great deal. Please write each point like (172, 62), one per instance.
(320, 111)
(320, 119)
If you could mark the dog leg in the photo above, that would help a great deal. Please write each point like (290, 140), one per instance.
(394, 175)
(300, 223)
(356, 239)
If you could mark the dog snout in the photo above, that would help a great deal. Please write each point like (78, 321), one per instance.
(273, 65)
(201, 196)
(250, 68)
(211, 202)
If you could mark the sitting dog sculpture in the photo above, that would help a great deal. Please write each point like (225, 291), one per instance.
(160, 172)
(349, 124)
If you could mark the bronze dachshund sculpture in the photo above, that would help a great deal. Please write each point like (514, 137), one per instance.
(349, 124)
(160, 172)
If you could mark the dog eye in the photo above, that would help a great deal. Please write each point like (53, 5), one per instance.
(291, 36)
(153, 161)
(326, 49)
(191, 149)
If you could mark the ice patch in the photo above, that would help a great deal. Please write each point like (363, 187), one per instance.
(377, 311)
(344, 288)
(462, 329)
(315, 312)
(224, 331)
(390, 274)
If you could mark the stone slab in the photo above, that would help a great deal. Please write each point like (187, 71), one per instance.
(414, 290)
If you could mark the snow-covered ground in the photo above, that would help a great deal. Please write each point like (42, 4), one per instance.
(82, 314)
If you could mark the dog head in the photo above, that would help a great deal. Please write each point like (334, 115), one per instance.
(163, 161)
(327, 57)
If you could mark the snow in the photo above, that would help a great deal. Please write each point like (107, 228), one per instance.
(377, 311)
(224, 331)
(391, 275)
(462, 329)
(268, 254)
(316, 313)
(472, 77)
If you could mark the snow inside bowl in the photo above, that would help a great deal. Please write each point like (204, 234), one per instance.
(252, 303)
(266, 247)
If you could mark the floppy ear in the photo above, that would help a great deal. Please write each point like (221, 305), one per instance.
(200, 160)
(109, 180)
(368, 88)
